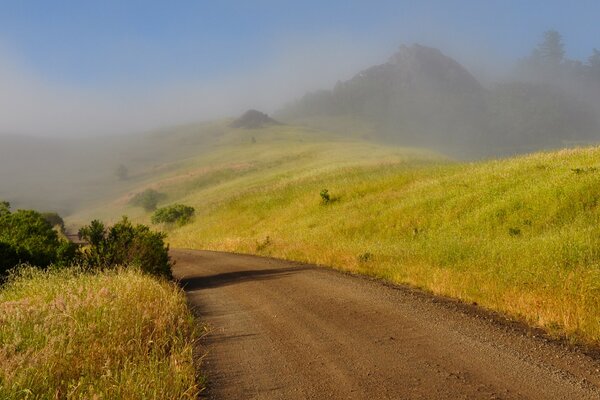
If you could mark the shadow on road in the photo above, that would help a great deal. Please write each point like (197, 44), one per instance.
(230, 278)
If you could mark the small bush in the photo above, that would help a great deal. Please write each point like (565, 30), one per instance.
(176, 213)
(514, 231)
(125, 245)
(122, 172)
(148, 199)
(325, 196)
(365, 257)
(260, 246)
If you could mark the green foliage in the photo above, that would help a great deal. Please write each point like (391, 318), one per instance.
(8, 259)
(512, 231)
(54, 220)
(27, 237)
(175, 213)
(125, 245)
(148, 199)
(325, 197)
(4, 208)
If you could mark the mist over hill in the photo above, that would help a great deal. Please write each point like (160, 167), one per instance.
(422, 97)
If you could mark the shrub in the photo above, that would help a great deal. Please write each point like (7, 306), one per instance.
(148, 199)
(325, 196)
(122, 172)
(27, 237)
(8, 259)
(125, 245)
(4, 208)
(176, 213)
(514, 231)
(365, 257)
(260, 246)
(54, 220)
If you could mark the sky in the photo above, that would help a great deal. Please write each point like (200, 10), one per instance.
(91, 67)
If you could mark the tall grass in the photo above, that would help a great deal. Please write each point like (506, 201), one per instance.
(113, 335)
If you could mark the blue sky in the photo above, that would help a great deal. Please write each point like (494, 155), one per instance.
(94, 42)
(143, 46)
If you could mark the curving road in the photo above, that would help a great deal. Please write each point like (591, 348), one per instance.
(282, 330)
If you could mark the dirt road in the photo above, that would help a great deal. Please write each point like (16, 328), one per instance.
(283, 330)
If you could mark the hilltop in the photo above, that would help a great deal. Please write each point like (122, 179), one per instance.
(422, 97)
(253, 119)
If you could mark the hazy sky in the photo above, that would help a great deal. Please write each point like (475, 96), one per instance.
(80, 67)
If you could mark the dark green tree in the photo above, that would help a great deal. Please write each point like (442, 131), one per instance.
(26, 237)
(148, 199)
(551, 51)
(594, 63)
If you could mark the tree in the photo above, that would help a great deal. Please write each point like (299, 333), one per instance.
(148, 199)
(594, 63)
(122, 172)
(551, 51)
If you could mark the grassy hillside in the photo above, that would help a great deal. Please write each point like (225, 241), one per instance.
(235, 161)
(124, 335)
(519, 235)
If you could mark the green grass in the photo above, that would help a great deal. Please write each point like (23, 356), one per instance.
(521, 235)
(111, 335)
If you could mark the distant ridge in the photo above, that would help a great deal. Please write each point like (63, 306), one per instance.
(421, 97)
(253, 119)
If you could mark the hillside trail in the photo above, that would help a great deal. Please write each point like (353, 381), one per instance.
(283, 330)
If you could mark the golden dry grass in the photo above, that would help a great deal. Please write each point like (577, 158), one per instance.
(112, 335)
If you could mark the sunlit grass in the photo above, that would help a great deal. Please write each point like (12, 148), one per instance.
(521, 236)
(112, 335)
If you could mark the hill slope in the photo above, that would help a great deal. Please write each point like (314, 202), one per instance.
(518, 235)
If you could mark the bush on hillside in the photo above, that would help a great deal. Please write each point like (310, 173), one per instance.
(148, 199)
(325, 196)
(176, 213)
(122, 172)
(124, 244)
(27, 237)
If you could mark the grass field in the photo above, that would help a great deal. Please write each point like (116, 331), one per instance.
(520, 235)
(112, 335)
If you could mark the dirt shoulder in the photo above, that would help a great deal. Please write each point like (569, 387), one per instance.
(282, 330)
